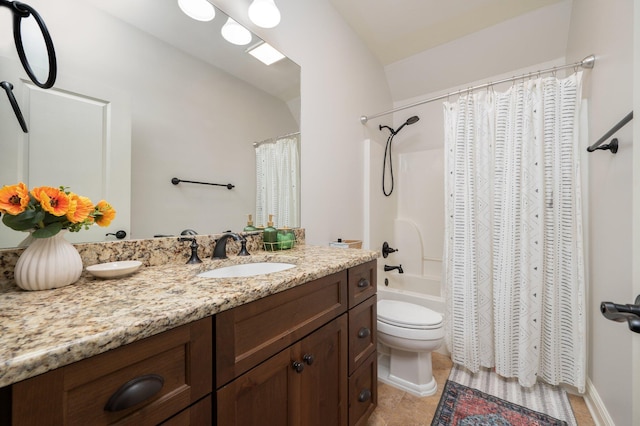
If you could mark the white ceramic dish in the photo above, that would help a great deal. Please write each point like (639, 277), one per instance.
(114, 269)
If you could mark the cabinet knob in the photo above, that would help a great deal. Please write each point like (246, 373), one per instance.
(308, 358)
(364, 332)
(365, 395)
(363, 283)
(134, 392)
(298, 366)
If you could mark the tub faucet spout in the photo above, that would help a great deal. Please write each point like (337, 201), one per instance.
(388, 268)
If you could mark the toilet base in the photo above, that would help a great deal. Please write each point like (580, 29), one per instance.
(407, 371)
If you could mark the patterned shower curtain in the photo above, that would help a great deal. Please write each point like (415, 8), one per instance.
(278, 181)
(513, 276)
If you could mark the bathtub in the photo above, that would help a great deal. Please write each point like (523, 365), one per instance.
(416, 285)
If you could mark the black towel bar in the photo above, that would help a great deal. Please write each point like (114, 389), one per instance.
(613, 146)
(176, 181)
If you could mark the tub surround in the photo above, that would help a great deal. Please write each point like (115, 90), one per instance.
(44, 330)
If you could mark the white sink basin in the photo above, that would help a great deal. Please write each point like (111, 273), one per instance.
(246, 270)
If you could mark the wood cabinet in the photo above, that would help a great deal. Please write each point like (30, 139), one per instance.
(251, 333)
(144, 383)
(306, 356)
(363, 365)
(305, 384)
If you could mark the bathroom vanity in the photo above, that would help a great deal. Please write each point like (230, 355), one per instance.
(164, 346)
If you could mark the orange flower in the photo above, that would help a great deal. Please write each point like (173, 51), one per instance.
(106, 213)
(52, 200)
(14, 199)
(79, 208)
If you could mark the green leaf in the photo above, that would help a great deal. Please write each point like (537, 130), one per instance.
(23, 221)
(48, 231)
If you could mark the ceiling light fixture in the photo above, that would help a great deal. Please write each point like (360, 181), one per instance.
(200, 10)
(264, 13)
(265, 53)
(235, 33)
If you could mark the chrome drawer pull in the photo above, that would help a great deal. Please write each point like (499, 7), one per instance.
(134, 392)
(363, 283)
(365, 395)
(364, 332)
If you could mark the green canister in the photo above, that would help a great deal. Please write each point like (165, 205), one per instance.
(270, 236)
(286, 238)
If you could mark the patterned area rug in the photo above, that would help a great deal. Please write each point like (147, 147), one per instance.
(544, 398)
(464, 406)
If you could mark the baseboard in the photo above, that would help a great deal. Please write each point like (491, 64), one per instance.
(596, 407)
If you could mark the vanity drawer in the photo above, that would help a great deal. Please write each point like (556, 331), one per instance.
(198, 414)
(362, 332)
(251, 333)
(363, 391)
(173, 368)
(362, 282)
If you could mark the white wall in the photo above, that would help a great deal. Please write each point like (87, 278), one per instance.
(606, 29)
(635, 376)
(535, 37)
(341, 80)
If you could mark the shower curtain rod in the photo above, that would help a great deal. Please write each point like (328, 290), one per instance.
(271, 140)
(587, 62)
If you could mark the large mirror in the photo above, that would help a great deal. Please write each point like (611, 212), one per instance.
(161, 96)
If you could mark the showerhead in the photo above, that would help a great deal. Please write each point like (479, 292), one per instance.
(410, 120)
(413, 119)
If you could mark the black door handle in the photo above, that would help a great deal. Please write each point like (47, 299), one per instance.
(621, 313)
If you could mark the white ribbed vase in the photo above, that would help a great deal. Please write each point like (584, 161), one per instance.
(48, 263)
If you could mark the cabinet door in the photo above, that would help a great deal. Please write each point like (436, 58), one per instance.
(303, 385)
(261, 396)
(323, 382)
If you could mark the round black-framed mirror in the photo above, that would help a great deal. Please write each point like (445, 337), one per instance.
(20, 11)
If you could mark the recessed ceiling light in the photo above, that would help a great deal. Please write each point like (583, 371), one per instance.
(200, 10)
(265, 53)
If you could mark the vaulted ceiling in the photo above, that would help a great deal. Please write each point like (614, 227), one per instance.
(396, 29)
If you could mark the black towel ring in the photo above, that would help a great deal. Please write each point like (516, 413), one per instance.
(20, 11)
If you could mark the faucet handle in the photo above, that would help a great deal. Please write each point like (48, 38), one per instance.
(194, 250)
(243, 250)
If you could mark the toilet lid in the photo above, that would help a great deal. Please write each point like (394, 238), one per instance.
(408, 315)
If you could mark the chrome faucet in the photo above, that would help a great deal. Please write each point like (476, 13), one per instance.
(388, 268)
(220, 249)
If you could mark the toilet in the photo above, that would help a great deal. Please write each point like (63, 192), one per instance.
(408, 334)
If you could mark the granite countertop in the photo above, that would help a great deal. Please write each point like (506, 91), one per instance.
(44, 330)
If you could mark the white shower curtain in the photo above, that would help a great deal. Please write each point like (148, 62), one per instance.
(513, 275)
(278, 181)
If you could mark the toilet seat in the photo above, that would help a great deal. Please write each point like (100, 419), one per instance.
(408, 315)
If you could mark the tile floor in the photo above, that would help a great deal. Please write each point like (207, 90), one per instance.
(396, 407)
